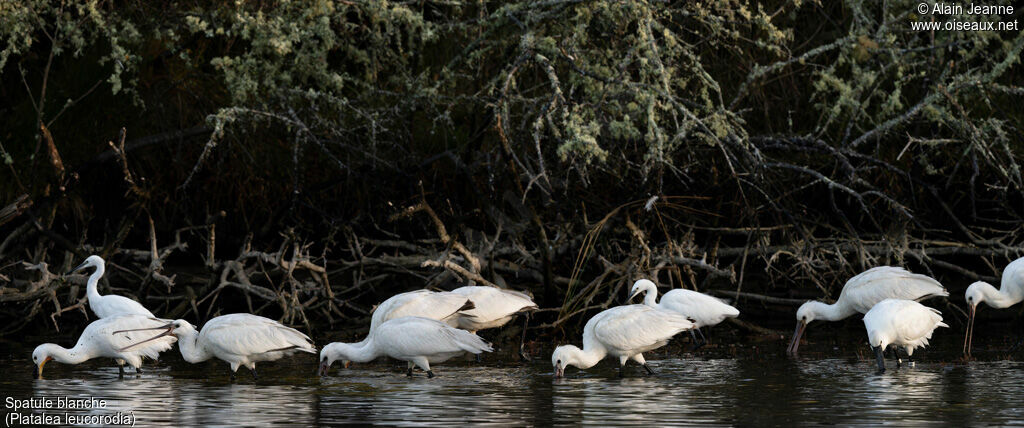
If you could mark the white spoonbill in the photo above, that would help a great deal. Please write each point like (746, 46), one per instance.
(704, 310)
(238, 339)
(443, 306)
(416, 340)
(901, 323)
(1010, 292)
(111, 304)
(624, 332)
(864, 291)
(101, 339)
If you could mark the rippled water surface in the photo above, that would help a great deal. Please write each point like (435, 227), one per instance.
(752, 390)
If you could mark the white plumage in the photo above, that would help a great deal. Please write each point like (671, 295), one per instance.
(704, 310)
(416, 340)
(901, 323)
(493, 307)
(111, 304)
(865, 290)
(443, 306)
(625, 332)
(1010, 292)
(238, 339)
(100, 339)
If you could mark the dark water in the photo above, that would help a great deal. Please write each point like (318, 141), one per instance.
(758, 388)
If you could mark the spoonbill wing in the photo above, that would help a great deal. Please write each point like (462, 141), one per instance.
(635, 327)
(706, 310)
(493, 303)
(247, 334)
(419, 303)
(888, 282)
(113, 305)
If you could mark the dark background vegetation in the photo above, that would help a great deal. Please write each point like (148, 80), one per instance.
(306, 160)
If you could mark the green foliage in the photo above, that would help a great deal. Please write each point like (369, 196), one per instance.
(821, 118)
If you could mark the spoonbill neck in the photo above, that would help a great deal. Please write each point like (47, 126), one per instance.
(362, 352)
(999, 298)
(651, 297)
(650, 292)
(834, 312)
(191, 351)
(79, 354)
(585, 358)
(90, 286)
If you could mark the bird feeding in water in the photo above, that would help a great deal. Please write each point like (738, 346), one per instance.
(104, 338)
(900, 323)
(238, 339)
(111, 304)
(704, 310)
(862, 292)
(625, 332)
(1010, 292)
(418, 341)
(443, 306)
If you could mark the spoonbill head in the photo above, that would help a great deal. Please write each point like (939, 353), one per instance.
(111, 304)
(91, 261)
(1010, 293)
(641, 286)
(566, 355)
(804, 315)
(901, 323)
(333, 352)
(106, 337)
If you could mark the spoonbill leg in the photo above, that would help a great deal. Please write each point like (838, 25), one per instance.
(422, 363)
(639, 358)
(697, 343)
(522, 339)
(879, 358)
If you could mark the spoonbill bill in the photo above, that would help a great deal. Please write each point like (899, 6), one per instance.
(704, 310)
(1010, 292)
(111, 304)
(625, 332)
(862, 292)
(442, 306)
(102, 338)
(238, 339)
(416, 340)
(901, 323)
